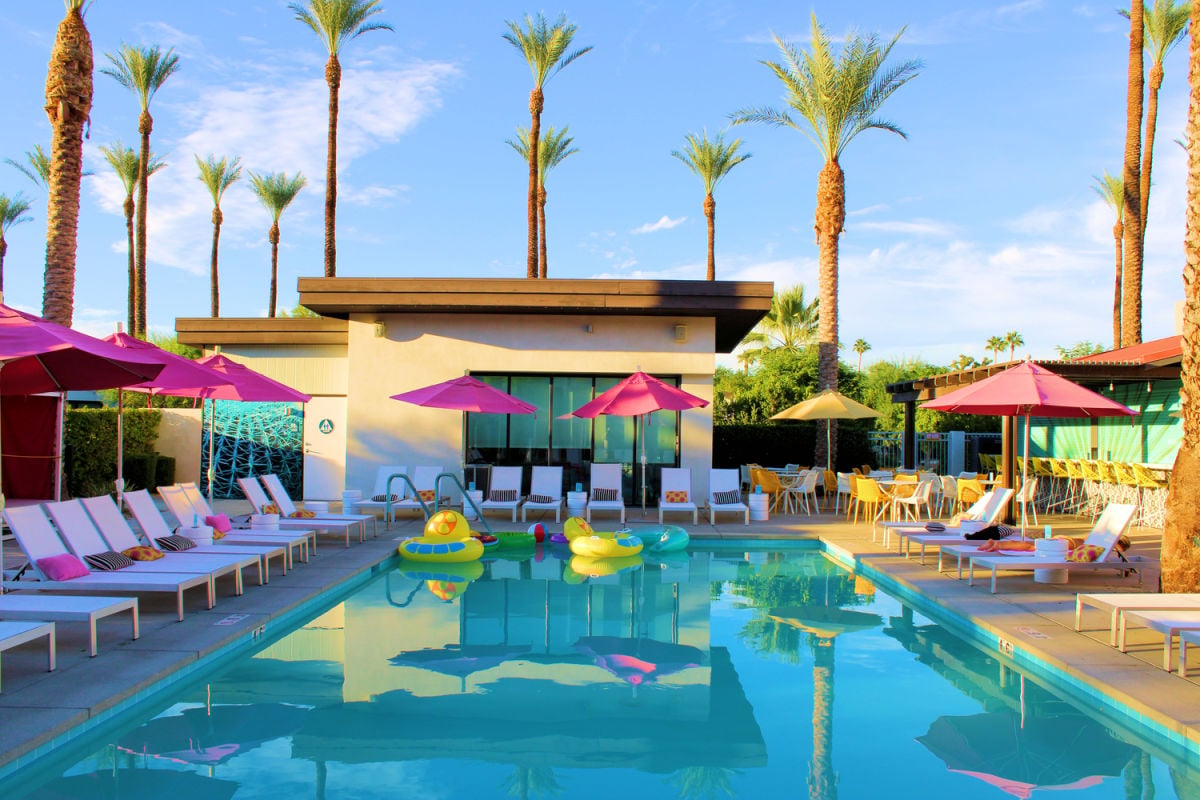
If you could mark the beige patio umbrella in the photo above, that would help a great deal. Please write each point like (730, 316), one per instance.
(828, 404)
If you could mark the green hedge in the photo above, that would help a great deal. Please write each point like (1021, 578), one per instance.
(775, 444)
(90, 450)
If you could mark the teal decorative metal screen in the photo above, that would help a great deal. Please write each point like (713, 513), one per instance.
(254, 439)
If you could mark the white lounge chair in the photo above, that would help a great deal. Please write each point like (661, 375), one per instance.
(606, 493)
(119, 536)
(1117, 603)
(18, 606)
(423, 479)
(38, 540)
(1107, 530)
(259, 501)
(81, 536)
(14, 634)
(1169, 623)
(287, 508)
(545, 492)
(504, 491)
(185, 506)
(723, 486)
(676, 494)
(377, 500)
(951, 541)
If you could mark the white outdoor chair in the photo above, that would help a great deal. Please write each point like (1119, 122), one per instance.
(423, 478)
(287, 508)
(259, 500)
(504, 490)
(725, 494)
(677, 493)
(911, 505)
(186, 504)
(803, 492)
(606, 493)
(1025, 497)
(545, 492)
(377, 500)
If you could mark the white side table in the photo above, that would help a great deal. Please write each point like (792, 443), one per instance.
(758, 506)
(477, 496)
(576, 504)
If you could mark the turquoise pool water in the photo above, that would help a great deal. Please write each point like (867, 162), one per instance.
(710, 674)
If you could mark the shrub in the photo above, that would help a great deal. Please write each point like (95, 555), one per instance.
(90, 447)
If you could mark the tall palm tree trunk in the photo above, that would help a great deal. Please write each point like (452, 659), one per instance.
(1155, 82)
(333, 76)
(710, 214)
(536, 102)
(145, 127)
(1118, 233)
(131, 292)
(822, 780)
(831, 215)
(273, 237)
(543, 267)
(1131, 285)
(1180, 554)
(3, 251)
(68, 104)
(214, 286)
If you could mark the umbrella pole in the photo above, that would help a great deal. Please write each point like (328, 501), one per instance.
(828, 444)
(120, 481)
(212, 413)
(644, 419)
(1024, 476)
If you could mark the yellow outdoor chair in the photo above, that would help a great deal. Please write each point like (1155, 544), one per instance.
(969, 490)
(873, 500)
(771, 485)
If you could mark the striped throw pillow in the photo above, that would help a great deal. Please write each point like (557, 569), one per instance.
(675, 497)
(727, 498)
(605, 495)
(503, 496)
(541, 498)
(383, 498)
(175, 544)
(108, 560)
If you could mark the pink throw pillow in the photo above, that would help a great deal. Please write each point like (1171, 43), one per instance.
(219, 522)
(62, 567)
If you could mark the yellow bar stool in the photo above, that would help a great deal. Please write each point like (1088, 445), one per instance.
(1154, 497)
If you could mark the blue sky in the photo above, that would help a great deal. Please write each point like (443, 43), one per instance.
(983, 221)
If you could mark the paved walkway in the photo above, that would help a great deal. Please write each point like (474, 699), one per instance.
(36, 706)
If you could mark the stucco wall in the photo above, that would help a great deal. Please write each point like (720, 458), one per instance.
(179, 437)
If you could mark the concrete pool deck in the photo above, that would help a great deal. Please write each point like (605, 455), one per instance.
(37, 707)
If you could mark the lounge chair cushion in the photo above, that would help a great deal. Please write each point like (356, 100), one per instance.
(270, 508)
(175, 544)
(727, 498)
(426, 494)
(605, 495)
(1087, 552)
(503, 496)
(143, 553)
(541, 498)
(675, 497)
(62, 567)
(383, 498)
(109, 560)
(302, 514)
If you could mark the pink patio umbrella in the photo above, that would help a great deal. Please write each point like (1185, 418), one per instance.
(639, 395)
(178, 373)
(40, 356)
(242, 383)
(1030, 391)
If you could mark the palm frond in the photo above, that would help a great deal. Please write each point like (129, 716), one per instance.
(1111, 188)
(142, 70)
(336, 22)
(544, 44)
(217, 176)
(553, 149)
(12, 211)
(36, 166)
(124, 161)
(276, 191)
(710, 159)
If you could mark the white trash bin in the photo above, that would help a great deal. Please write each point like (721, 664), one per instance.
(1051, 550)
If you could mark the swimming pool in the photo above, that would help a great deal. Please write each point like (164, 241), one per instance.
(710, 674)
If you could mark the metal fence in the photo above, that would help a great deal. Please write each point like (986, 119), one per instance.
(950, 452)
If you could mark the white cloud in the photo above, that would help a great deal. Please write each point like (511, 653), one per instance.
(916, 227)
(664, 223)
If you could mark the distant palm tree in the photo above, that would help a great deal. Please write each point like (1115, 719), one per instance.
(142, 70)
(126, 163)
(36, 166)
(553, 149)
(861, 346)
(276, 191)
(217, 176)
(791, 324)
(963, 361)
(69, 106)
(1110, 188)
(995, 344)
(335, 22)
(1131, 284)
(835, 98)
(711, 159)
(1013, 340)
(12, 212)
(544, 46)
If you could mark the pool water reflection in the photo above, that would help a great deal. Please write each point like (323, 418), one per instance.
(710, 674)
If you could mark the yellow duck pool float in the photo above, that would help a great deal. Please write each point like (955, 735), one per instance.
(586, 542)
(447, 539)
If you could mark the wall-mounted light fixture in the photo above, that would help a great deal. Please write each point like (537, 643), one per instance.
(380, 329)
(681, 332)
(587, 328)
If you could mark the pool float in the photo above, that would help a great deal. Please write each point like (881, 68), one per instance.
(586, 542)
(445, 581)
(486, 539)
(516, 540)
(663, 538)
(588, 567)
(447, 539)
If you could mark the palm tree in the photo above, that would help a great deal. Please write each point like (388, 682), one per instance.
(335, 22)
(791, 324)
(711, 160)
(68, 105)
(861, 346)
(553, 149)
(276, 191)
(126, 163)
(963, 361)
(544, 46)
(1110, 188)
(12, 212)
(217, 176)
(835, 98)
(1180, 551)
(142, 70)
(1131, 284)
(1013, 340)
(995, 344)
(36, 166)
